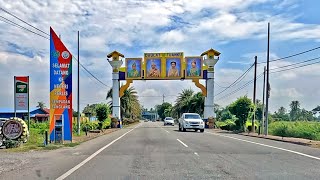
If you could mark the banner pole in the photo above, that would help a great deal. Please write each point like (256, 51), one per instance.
(28, 104)
(14, 96)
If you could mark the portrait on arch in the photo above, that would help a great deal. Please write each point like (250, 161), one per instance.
(173, 67)
(134, 69)
(153, 68)
(194, 67)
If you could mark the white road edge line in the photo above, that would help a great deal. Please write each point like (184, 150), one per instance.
(68, 173)
(182, 143)
(196, 153)
(274, 147)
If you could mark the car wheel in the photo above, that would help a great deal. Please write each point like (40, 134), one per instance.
(202, 130)
(184, 129)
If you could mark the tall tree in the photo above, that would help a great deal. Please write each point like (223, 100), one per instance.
(295, 110)
(161, 109)
(241, 109)
(281, 114)
(183, 102)
(41, 105)
(129, 104)
(90, 110)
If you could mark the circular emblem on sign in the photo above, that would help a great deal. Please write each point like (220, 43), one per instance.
(12, 129)
(65, 54)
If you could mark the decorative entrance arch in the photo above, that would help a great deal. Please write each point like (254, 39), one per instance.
(164, 66)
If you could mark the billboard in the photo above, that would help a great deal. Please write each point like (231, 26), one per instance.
(194, 67)
(134, 68)
(21, 95)
(60, 88)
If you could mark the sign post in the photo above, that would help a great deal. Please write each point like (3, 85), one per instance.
(21, 95)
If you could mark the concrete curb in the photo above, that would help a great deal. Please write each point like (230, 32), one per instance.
(280, 140)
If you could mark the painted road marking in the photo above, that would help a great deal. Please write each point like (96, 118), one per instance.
(182, 143)
(274, 147)
(196, 153)
(68, 173)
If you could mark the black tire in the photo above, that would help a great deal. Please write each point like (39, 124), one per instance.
(202, 130)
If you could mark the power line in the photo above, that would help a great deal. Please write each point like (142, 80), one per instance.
(296, 63)
(240, 88)
(220, 85)
(295, 67)
(23, 21)
(19, 26)
(297, 54)
(91, 74)
(239, 79)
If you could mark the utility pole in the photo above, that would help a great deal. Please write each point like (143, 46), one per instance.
(263, 98)
(254, 93)
(162, 98)
(268, 85)
(78, 98)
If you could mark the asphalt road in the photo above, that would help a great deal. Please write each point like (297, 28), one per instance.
(152, 151)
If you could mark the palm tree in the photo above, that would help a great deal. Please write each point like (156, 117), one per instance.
(129, 104)
(295, 110)
(41, 105)
(183, 102)
(197, 103)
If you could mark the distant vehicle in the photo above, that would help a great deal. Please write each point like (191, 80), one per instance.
(168, 121)
(191, 121)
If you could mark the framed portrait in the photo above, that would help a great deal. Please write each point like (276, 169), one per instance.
(133, 68)
(153, 68)
(173, 68)
(194, 67)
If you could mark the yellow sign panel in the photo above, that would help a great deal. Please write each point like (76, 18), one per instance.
(163, 65)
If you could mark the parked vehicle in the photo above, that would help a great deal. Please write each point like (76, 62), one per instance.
(168, 121)
(191, 121)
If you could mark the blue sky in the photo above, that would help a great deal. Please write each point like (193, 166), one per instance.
(236, 28)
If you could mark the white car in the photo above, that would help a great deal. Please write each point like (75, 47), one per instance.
(191, 121)
(169, 121)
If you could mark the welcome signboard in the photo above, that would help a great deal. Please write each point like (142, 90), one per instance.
(164, 66)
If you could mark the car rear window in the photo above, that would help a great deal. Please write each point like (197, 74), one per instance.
(169, 118)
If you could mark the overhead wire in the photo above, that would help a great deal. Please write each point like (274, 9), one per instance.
(240, 88)
(297, 54)
(8, 21)
(301, 62)
(238, 80)
(22, 20)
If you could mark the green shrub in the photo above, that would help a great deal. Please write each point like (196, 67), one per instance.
(299, 129)
(11, 144)
(89, 125)
(106, 123)
(228, 125)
